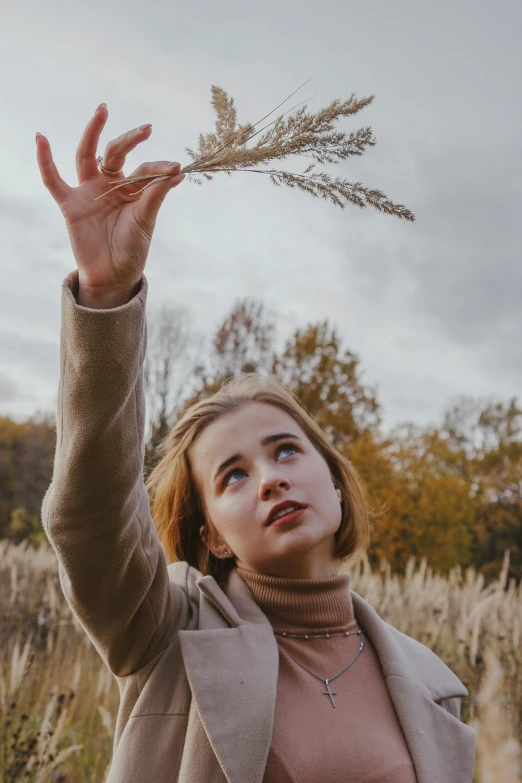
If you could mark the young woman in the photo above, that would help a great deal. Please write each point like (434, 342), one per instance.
(248, 659)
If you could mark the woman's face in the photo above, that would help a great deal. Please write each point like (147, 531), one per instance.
(248, 462)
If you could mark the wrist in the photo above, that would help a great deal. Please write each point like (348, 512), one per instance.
(98, 298)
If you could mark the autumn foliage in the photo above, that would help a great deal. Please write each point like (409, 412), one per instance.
(450, 492)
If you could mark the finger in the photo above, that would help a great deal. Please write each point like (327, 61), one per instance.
(117, 150)
(57, 187)
(86, 165)
(159, 167)
(152, 198)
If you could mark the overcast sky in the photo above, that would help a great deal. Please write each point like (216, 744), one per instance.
(432, 308)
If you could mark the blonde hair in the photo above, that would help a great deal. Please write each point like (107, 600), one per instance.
(177, 508)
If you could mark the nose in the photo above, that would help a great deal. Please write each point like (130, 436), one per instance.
(271, 482)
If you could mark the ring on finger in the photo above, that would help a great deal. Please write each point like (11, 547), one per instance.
(106, 171)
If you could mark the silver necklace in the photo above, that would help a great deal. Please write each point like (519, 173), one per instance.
(328, 691)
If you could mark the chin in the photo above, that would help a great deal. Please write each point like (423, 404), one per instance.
(303, 542)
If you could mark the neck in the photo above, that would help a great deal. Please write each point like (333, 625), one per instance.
(300, 568)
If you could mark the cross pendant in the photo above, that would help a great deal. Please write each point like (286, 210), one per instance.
(329, 693)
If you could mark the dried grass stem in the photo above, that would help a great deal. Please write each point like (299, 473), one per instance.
(302, 133)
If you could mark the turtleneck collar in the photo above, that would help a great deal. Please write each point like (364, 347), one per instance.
(302, 604)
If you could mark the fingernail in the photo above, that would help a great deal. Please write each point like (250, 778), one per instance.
(102, 106)
(173, 164)
(36, 137)
(142, 127)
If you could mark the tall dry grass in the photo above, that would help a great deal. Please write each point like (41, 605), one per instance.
(57, 698)
(58, 701)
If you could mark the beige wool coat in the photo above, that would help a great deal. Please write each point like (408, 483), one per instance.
(196, 665)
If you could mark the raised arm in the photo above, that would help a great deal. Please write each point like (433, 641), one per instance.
(96, 511)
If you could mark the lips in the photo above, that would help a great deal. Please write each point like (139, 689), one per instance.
(286, 504)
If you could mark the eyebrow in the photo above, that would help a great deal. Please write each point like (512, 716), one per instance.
(264, 442)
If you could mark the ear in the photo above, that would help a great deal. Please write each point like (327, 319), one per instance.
(216, 542)
(339, 494)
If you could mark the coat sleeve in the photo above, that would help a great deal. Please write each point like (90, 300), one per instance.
(96, 511)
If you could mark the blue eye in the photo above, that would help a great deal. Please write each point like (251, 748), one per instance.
(235, 472)
(287, 447)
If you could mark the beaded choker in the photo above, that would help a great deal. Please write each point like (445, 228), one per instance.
(316, 636)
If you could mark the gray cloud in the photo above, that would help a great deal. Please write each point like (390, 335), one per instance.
(455, 273)
(432, 308)
(470, 279)
(9, 390)
(36, 354)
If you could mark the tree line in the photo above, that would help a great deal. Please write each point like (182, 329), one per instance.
(450, 492)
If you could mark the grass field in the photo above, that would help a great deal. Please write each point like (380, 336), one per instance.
(58, 701)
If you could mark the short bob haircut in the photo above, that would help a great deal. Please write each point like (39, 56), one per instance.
(177, 508)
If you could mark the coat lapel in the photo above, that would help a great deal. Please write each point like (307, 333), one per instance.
(237, 705)
(441, 746)
(236, 696)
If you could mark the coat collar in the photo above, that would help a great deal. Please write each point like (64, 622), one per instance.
(237, 637)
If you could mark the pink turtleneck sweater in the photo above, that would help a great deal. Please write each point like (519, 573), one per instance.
(360, 739)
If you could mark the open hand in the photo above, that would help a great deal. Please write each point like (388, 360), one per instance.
(110, 237)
